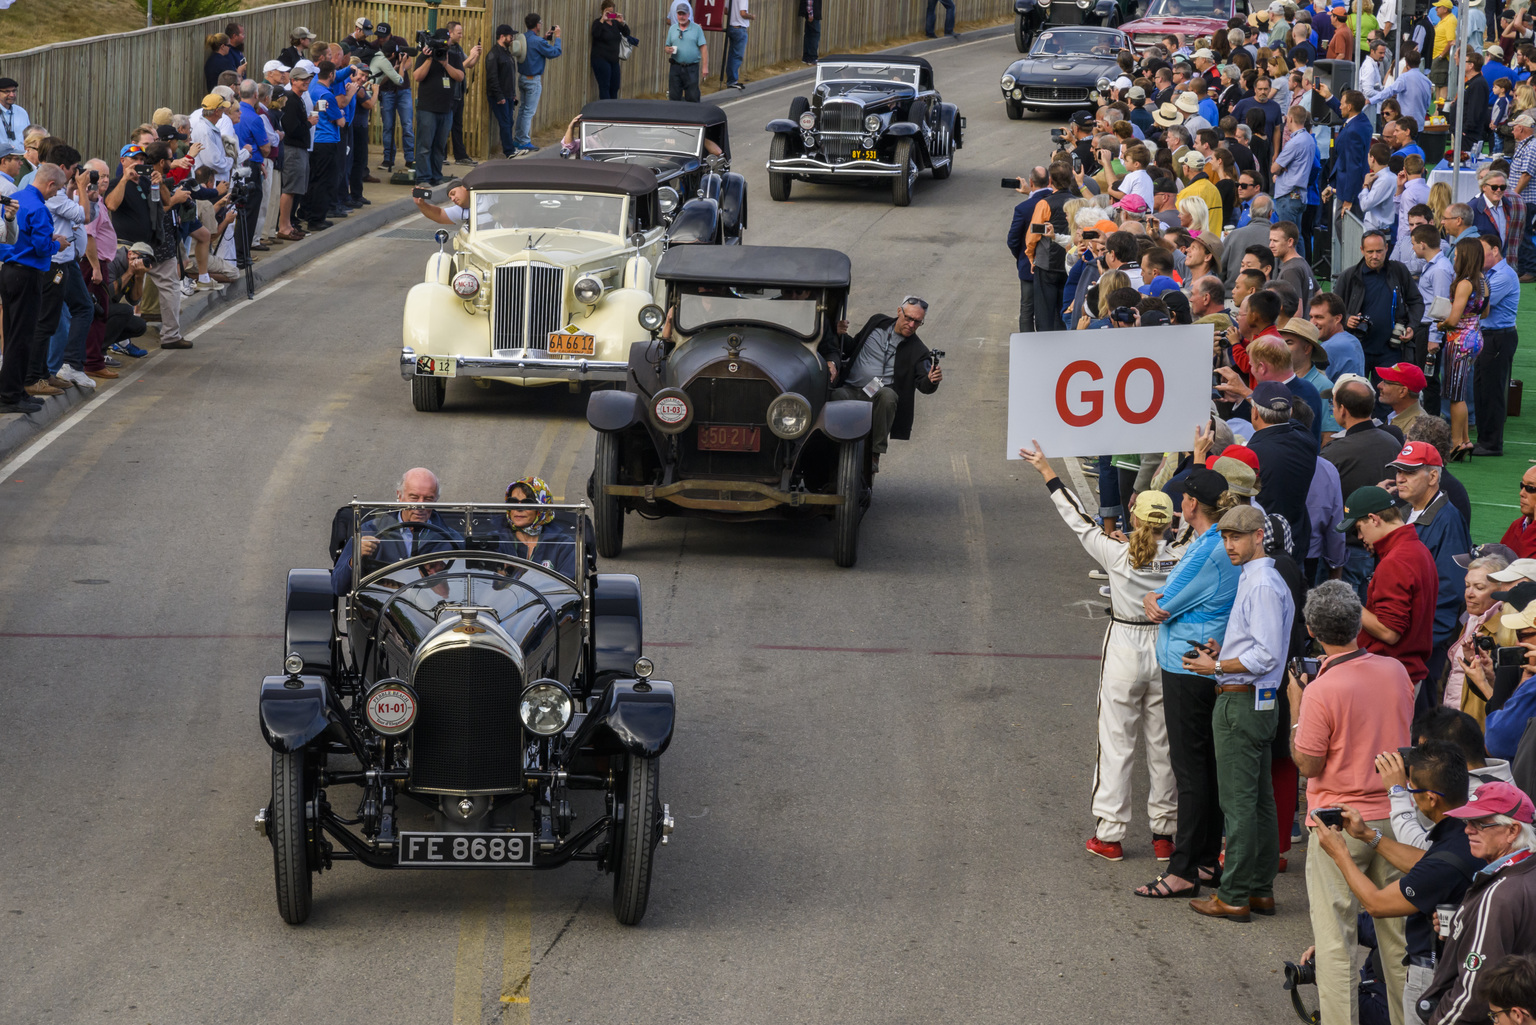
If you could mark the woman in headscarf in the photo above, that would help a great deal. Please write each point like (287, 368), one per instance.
(534, 535)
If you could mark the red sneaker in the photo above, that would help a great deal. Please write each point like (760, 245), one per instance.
(1162, 847)
(1107, 851)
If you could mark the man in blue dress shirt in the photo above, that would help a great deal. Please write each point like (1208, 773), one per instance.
(22, 266)
(1413, 90)
(1490, 378)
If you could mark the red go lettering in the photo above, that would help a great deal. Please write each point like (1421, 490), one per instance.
(1094, 398)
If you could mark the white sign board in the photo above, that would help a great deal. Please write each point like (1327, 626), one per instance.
(1135, 389)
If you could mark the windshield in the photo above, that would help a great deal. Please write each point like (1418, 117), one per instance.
(892, 75)
(502, 211)
(679, 140)
(1189, 9)
(393, 537)
(794, 310)
(1067, 41)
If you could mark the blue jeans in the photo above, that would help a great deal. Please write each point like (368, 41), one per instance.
(505, 113)
(390, 104)
(812, 41)
(1357, 569)
(607, 74)
(735, 53)
(67, 345)
(949, 16)
(1291, 208)
(528, 89)
(432, 130)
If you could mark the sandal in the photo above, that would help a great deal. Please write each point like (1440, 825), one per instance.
(1208, 876)
(1158, 889)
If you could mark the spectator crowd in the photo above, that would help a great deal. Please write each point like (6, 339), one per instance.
(1297, 595)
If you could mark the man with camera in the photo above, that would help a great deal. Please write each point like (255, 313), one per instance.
(1045, 246)
(542, 47)
(886, 363)
(1382, 302)
(1357, 704)
(1034, 188)
(141, 200)
(436, 71)
(395, 99)
(1431, 876)
(23, 265)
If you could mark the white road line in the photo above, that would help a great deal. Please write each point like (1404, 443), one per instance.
(797, 85)
(100, 400)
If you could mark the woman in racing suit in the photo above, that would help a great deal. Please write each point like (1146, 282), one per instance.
(1130, 682)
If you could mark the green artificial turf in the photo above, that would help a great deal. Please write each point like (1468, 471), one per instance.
(1493, 484)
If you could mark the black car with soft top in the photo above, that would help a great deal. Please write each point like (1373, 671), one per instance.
(456, 699)
(726, 411)
(872, 118)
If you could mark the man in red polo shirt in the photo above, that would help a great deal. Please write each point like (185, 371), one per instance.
(1521, 535)
(1399, 616)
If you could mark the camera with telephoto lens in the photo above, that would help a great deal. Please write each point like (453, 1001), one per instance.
(423, 43)
(241, 186)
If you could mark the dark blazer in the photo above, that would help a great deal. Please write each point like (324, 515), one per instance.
(1350, 147)
(1350, 288)
(912, 366)
(1016, 233)
(392, 548)
(1483, 221)
(501, 75)
(1287, 460)
(1475, 120)
(556, 548)
(814, 6)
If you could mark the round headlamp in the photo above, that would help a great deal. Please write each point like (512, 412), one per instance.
(867, 141)
(466, 285)
(671, 411)
(667, 197)
(809, 140)
(391, 708)
(807, 122)
(588, 289)
(789, 415)
(872, 123)
(1102, 85)
(1018, 94)
(652, 317)
(644, 667)
(1008, 82)
(546, 708)
(1084, 4)
(293, 665)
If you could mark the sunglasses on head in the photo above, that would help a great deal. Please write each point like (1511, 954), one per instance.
(913, 300)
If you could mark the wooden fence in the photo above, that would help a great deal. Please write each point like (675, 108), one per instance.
(92, 92)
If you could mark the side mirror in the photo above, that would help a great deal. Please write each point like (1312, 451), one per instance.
(637, 240)
(441, 235)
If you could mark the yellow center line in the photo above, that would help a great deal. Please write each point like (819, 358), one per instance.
(469, 968)
(579, 434)
(535, 465)
(516, 953)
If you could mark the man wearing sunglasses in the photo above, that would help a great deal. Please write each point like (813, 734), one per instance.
(1498, 914)
(1437, 780)
(886, 363)
(1521, 535)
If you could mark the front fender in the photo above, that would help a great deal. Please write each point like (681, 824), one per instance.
(436, 324)
(1024, 6)
(902, 129)
(782, 126)
(636, 715)
(1105, 9)
(847, 419)
(610, 410)
(309, 622)
(617, 626)
(697, 223)
(733, 202)
(292, 711)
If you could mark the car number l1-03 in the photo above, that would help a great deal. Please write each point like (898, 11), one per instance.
(437, 366)
(465, 850)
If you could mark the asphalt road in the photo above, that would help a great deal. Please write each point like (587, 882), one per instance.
(880, 775)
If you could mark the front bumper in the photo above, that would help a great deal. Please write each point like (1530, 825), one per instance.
(1084, 103)
(810, 165)
(546, 368)
(730, 496)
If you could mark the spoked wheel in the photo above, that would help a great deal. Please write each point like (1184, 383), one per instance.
(607, 513)
(635, 839)
(901, 185)
(779, 184)
(1022, 34)
(427, 393)
(850, 485)
(288, 829)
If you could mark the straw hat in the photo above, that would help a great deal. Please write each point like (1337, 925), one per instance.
(1168, 115)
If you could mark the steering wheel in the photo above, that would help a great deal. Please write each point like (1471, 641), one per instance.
(400, 527)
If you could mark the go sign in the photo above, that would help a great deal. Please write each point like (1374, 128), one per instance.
(1142, 389)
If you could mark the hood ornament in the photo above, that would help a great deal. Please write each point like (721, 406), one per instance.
(733, 346)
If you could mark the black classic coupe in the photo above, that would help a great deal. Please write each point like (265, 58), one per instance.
(1066, 69)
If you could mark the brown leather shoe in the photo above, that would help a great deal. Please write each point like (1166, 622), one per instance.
(371, 180)
(104, 374)
(180, 344)
(41, 388)
(1214, 907)
(58, 382)
(1262, 905)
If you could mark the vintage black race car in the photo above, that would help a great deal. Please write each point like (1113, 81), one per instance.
(1066, 69)
(726, 414)
(689, 148)
(473, 703)
(1030, 16)
(868, 118)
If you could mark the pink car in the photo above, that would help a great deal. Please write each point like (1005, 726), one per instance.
(1186, 19)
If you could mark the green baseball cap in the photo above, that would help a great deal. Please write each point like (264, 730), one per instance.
(1361, 503)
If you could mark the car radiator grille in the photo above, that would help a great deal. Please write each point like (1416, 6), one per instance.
(528, 305)
(468, 736)
(1054, 92)
(724, 400)
(840, 116)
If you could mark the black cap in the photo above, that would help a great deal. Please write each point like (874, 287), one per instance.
(1178, 306)
(167, 132)
(382, 29)
(1517, 597)
(504, 30)
(1204, 486)
(1082, 119)
(1153, 318)
(9, 83)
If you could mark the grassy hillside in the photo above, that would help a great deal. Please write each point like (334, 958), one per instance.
(29, 23)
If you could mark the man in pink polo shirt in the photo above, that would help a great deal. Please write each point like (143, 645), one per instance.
(1357, 706)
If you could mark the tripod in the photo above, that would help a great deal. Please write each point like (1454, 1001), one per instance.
(241, 190)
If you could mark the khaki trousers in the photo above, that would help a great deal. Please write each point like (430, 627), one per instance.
(168, 284)
(1334, 912)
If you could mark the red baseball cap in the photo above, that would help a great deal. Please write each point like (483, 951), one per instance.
(1405, 374)
(1496, 798)
(1242, 453)
(1416, 454)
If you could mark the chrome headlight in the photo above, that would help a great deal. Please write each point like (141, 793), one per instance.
(1102, 85)
(1018, 94)
(667, 197)
(1084, 3)
(809, 139)
(808, 122)
(644, 668)
(546, 708)
(1009, 82)
(652, 317)
(867, 141)
(671, 412)
(872, 123)
(588, 289)
(789, 415)
(466, 285)
(293, 665)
